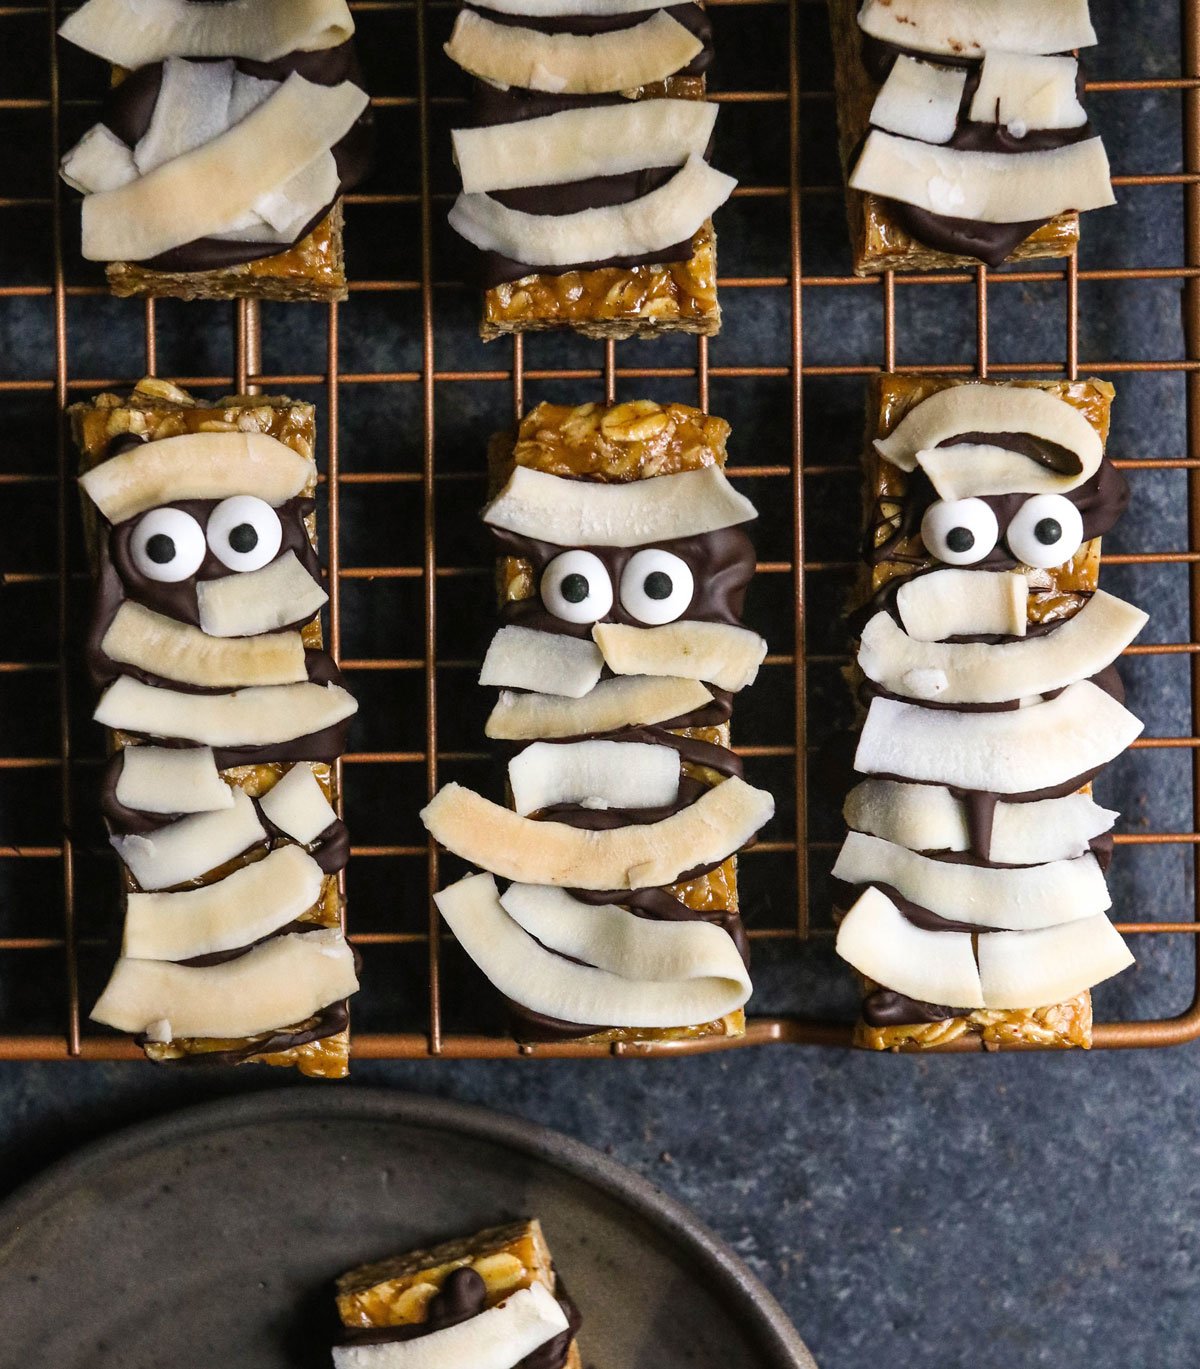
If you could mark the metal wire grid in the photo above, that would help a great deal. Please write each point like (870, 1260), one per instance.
(60, 386)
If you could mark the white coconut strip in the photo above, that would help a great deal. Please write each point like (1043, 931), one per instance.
(976, 672)
(575, 144)
(137, 636)
(249, 717)
(196, 466)
(1017, 900)
(191, 109)
(553, 9)
(497, 1338)
(721, 821)
(191, 847)
(958, 30)
(596, 774)
(586, 513)
(281, 982)
(989, 187)
(966, 469)
(977, 407)
(1030, 969)
(134, 35)
(569, 63)
(932, 967)
(1014, 751)
(655, 221)
(244, 605)
(171, 779)
(629, 701)
(211, 189)
(721, 654)
(281, 214)
(704, 983)
(920, 100)
(242, 908)
(609, 937)
(297, 805)
(927, 817)
(953, 602)
(98, 161)
(545, 662)
(1023, 91)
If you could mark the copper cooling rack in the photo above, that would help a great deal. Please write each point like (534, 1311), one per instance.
(57, 888)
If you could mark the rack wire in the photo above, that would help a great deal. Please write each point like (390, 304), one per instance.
(407, 1014)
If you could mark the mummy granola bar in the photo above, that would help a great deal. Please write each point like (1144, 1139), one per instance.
(225, 716)
(962, 131)
(972, 877)
(624, 567)
(586, 184)
(491, 1301)
(225, 145)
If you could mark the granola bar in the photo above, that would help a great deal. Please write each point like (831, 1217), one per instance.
(221, 179)
(954, 123)
(586, 187)
(622, 554)
(451, 1284)
(225, 717)
(971, 884)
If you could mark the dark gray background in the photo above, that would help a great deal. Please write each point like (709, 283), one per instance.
(1023, 1209)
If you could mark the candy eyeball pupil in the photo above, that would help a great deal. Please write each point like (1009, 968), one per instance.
(658, 585)
(960, 539)
(160, 548)
(1048, 531)
(244, 537)
(574, 588)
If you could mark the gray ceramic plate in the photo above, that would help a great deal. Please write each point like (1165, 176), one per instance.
(209, 1240)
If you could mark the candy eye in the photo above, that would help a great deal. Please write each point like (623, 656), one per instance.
(167, 545)
(656, 586)
(1046, 531)
(244, 532)
(575, 587)
(959, 531)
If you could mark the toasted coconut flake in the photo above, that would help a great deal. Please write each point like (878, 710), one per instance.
(953, 602)
(238, 910)
(721, 821)
(654, 975)
(285, 980)
(626, 701)
(246, 604)
(721, 654)
(544, 662)
(196, 466)
(189, 848)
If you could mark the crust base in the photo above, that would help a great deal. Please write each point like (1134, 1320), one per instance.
(314, 269)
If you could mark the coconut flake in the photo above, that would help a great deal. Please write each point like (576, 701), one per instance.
(694, 976)
(98, 161)
(952, 603)
(1023, 91)
(1013, 751)
(1032, 969)
(721, 654)
(626, 701)
(932, 967)
(245, 605)
(988, 187)
(191, 847)
(920, 100)
(1016, 899)
(596, 774)
(585, 513)
(171, 779)
(297, 805)
(721, 821)
(956, 30)
(242, 908)
(544, 662)
(650, 223)
(285, 980)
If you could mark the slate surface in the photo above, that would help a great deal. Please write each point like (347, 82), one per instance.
(1023, 1210)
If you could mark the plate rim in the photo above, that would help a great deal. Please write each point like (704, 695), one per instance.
(733, 1279)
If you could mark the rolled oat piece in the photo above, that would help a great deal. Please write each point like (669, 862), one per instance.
(970, 888)
(587, 190)
(225, 716)
(493, 1300)
(962, 133)
(624, 565)
(224, 148)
